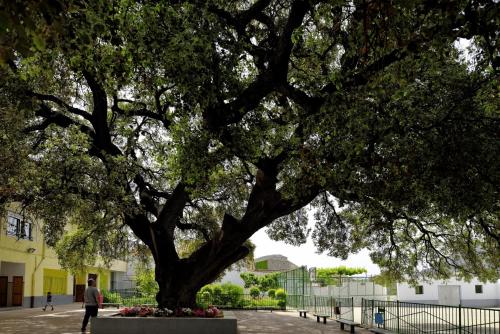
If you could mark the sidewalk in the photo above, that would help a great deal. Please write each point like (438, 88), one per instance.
(67, 319)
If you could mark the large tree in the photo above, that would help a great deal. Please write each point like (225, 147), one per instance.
(211, 120)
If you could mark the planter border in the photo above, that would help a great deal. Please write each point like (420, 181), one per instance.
(172, 325)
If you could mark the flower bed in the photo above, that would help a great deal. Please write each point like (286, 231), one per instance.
(209, 312)
(132, 320)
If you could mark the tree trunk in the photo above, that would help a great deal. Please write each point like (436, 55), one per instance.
(177, 287)
(179, 281)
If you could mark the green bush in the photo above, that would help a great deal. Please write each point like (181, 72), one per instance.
(254, 292)
(271, 293)
(217, 295)
(231, 294)
(207, 289)
(226, 294)
(110, 297)
(145, 281)
(280, 294)
(282, 304)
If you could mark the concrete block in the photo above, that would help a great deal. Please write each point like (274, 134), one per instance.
(171, 325)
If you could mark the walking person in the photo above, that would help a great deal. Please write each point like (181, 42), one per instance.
(91, 300)
(48, 302)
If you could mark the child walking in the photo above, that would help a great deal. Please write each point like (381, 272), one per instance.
(49, 301)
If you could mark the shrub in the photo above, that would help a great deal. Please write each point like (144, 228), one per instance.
(254, 292)
(217, 295)
(282, 304)
(280, 294)
(221, 294)
(207, 289)
(231, 294)
(271, 293)
(110, 297)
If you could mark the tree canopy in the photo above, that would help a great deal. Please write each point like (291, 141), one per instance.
(329, 276)
(211, 120)
(264, 282)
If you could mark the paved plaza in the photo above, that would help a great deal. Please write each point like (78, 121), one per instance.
(67, 319)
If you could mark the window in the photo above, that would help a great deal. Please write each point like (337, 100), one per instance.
(21, 229)
(479, 288)
(419, 290)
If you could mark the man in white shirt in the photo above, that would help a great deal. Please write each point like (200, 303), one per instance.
(91, 299)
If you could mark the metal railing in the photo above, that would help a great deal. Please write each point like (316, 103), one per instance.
(223, 301)
(416, 318)
(128, 297)
(338, 308)
(240, 302)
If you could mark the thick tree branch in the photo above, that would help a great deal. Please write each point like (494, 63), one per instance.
(171, 212)
(61, 103)
(56, 118)
(141, 112)
(274, 76)
(100, 114)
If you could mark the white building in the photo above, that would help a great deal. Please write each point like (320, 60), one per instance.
(273, 263)
(262, 266)
(452, 292)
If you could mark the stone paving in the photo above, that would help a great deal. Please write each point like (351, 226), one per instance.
(67, 319)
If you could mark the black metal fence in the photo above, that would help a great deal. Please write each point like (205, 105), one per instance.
(333, 307)
(223, 301)
(240, 302)
(416, 318)
(128, 297)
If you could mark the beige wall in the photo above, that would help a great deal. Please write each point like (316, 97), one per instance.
(19, 257)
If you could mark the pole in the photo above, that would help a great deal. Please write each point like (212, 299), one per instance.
(460, 318)
(397, 315)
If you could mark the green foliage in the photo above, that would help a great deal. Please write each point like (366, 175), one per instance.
(222, 294)
(110, 297)
(280, 294)
(207, 290)
(187, 122)
(329, 276)
(264, 282)
(145, 281)
(271, 293)
(250, 279)
(281, 297)
(269, 281)
(261, 265)
(254, 292)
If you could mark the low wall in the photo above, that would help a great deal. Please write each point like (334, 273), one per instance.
(173, 325)
(39, 301)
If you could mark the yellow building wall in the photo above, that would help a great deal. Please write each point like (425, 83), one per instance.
(40, 261)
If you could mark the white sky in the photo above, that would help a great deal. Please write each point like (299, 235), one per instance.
(306, 254)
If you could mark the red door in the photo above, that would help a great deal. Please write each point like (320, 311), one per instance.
(3, 290)
(17, 291)
(80, 291)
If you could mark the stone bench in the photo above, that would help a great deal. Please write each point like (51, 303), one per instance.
(348, 322)
(303, 312)
(324, 316)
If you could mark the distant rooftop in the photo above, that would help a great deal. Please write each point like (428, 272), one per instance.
(274, 262)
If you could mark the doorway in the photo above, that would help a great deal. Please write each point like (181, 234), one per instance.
(449, 295)
(3, 290)
(17, 290)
